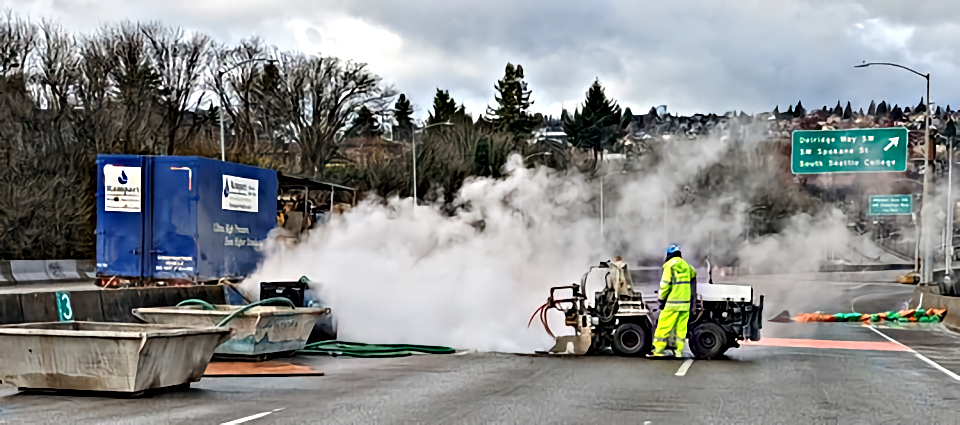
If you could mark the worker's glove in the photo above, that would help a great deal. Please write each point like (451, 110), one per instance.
(663, 303)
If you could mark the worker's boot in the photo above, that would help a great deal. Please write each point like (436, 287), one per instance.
(658, 349)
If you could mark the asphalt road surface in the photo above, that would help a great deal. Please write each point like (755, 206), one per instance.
(799, 373)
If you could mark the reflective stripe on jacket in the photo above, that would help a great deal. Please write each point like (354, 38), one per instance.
(675, 284)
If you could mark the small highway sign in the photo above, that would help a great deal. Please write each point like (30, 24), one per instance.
(867, 150)
(891, 205)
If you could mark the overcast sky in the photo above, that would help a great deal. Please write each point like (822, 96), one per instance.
(693, 56)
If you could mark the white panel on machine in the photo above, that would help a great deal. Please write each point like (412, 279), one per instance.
(717, 292)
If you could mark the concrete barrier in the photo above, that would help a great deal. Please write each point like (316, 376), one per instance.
(39, 307)
(929, 297)
(10, 308)
(864, 267)
(13, 272)
(109, 305)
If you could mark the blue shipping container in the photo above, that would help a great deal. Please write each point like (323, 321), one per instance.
(181, 218)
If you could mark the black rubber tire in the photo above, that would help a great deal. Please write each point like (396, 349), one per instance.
(630, 339)
(708, 341)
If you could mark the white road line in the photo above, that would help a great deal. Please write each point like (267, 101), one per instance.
(685, 367)
(919, 356)
(251, 417)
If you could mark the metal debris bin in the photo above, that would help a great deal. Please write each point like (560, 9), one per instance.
(108, 357)
(259, 331)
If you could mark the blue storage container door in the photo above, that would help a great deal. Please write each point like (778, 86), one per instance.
(121, 192)
(236, 211)
(173, 253)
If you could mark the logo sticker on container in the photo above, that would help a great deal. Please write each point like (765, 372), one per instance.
(240, 194)
(121, 189)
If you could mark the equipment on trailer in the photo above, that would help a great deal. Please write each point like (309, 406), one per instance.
(620, 321)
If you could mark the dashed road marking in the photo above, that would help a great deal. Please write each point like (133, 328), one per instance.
(919, 356)
(251, 417)
(685, 367)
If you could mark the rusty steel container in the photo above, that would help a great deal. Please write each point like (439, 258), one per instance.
(259, 331)
(109, 357)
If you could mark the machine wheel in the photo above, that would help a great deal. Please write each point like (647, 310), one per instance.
(708, 341)
(630, 339)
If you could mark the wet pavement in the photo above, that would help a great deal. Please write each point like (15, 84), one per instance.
(829, 380)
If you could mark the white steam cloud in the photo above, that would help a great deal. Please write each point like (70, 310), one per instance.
(471, 280)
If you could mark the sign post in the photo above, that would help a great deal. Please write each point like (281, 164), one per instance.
(867, 150)
(891, 205)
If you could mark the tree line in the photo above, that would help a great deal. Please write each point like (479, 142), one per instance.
(150, 89)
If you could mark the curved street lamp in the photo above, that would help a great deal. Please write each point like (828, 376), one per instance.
(926, 265)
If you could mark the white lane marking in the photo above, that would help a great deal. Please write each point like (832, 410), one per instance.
(251, 417)
(685, 367)
(919, 356)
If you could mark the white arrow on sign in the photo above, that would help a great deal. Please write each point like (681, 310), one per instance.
(894, 141)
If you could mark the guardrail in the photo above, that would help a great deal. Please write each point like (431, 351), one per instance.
(28, 271)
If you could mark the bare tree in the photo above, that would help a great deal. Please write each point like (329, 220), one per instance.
(329, 93)
(179, 64)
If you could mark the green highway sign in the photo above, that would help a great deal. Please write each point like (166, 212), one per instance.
(64, 309)
(849, 151)
(891, 205)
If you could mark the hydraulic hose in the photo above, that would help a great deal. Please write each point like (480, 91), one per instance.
(357, 349)
(268, 301)
(202, 303)
(207, 306)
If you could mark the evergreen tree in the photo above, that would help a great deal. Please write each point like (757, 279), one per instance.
(598, 124)
(513, 103)
(403, 115)
(445, 109)
(365, 124)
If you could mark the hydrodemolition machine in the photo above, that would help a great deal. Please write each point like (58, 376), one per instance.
(620, 321)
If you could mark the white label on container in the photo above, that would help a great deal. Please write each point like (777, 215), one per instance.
(240, 194)
(121, 188)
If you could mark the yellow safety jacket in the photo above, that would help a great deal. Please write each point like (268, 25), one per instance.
(675, 284)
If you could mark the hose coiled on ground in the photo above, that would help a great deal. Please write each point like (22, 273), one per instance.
(357, 349)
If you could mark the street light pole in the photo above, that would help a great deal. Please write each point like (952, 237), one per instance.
(520, 185)
(926, 264)
(223, 151)
(950, 133)
(413, 145)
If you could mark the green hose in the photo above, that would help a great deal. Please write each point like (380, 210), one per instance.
(268, 301)
(333, 348)
(202, 303)
(357, 349)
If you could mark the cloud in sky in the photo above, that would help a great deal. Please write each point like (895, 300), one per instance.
(694, 56)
